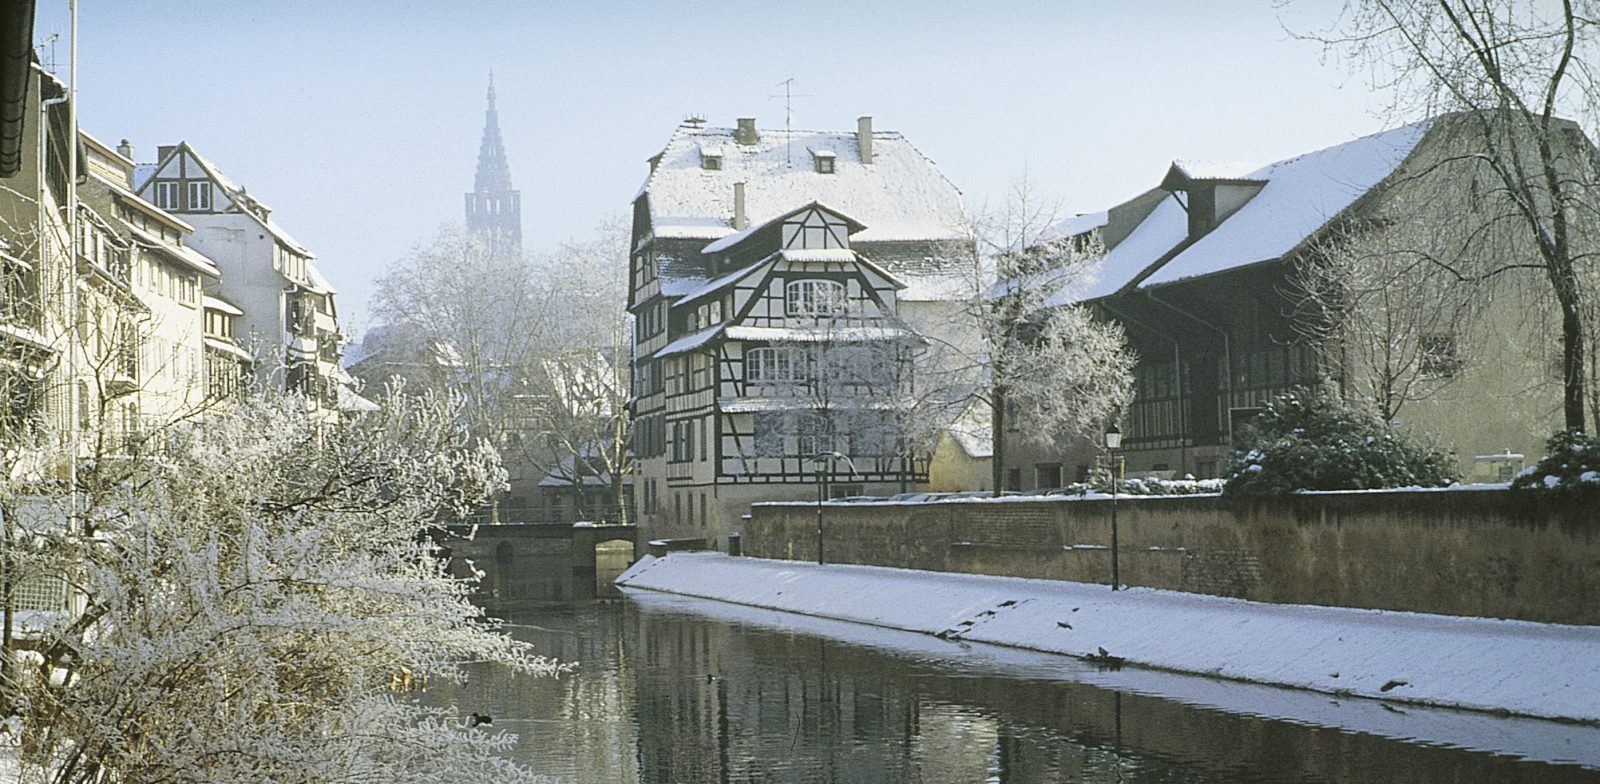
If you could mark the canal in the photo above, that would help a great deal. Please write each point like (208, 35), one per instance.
(679, 690)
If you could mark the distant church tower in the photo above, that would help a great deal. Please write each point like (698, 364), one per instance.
(494, 208)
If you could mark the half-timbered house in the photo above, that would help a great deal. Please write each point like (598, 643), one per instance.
(1207, 273)
(782, 284)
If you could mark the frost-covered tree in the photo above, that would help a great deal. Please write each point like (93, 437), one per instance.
(1052, 372)
(251, 598)
(1513, 69)
(536, 346)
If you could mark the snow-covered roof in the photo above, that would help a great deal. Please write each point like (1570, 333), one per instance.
(1075, 225)
(182, 253)
(820, 334)
(689, 342)
(935, 288)
(730, 240)
(818, 254)
(713, 286)
(972, 430)
(1216, 170)
(1301, 195)
(227, 348)
(319, 284)
(901, 195)
(220, 305)
(132, 200)
(756, 405)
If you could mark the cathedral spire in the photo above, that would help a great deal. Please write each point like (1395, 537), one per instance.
(494, 208)
(494, 174)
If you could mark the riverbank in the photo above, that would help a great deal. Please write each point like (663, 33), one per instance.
(1517, 667)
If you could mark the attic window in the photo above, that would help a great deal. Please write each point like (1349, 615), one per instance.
(823, 161)
(711, 158)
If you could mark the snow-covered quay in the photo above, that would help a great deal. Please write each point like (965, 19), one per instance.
(1530, 669)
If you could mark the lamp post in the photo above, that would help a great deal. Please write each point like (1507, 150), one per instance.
(820, 459)
(1113, 442)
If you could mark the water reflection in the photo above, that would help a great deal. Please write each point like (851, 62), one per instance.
(666, 694)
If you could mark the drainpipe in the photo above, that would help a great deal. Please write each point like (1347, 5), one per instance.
(72, 259)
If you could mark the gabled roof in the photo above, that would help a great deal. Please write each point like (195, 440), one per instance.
(735, 238)
(1301, 196)
(236, 193)
(901, 195)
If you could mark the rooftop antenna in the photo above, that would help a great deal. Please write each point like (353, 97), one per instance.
(50, 41)
(788, 116)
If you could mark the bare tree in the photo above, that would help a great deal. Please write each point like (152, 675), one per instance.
(1387, 323)
(1511, 68)
(578, 421)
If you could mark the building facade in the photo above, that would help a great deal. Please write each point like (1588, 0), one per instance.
(782, 286)
(290, 321)
(1212, 274)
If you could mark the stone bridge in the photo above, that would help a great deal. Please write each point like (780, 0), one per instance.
(529, 565)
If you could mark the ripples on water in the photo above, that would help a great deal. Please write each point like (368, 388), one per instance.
(673, 690)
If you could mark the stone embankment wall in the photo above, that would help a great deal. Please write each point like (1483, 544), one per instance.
(1487, 553)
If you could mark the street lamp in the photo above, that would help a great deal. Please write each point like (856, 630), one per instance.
(1113, 442)
(822, 486)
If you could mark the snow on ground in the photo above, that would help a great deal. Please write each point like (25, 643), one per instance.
(1529, 669)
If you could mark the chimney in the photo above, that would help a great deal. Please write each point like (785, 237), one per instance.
(864, 137)
(740, 220)
(164, 150)
(746, 132)
(125, 149)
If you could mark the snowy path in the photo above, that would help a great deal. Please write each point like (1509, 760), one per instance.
(1530, 669)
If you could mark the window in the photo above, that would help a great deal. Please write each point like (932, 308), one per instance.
(773, 366)
(710, 162)
(200, 195)
(824, 164)
(1047, 475)
(815, 298)
(167, 194)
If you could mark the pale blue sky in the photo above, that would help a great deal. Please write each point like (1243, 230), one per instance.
(359, 122)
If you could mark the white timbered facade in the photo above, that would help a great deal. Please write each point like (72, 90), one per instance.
(776, 282)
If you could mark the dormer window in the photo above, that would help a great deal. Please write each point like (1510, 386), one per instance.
(167, 194)
(200, 195)
(822, 161)
(711, 158)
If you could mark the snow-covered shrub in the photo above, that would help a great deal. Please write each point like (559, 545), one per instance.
(1571, 464)
(1147, 485)
(251, 590)
(1312, 440)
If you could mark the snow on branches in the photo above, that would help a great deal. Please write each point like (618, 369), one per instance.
(245, 594)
